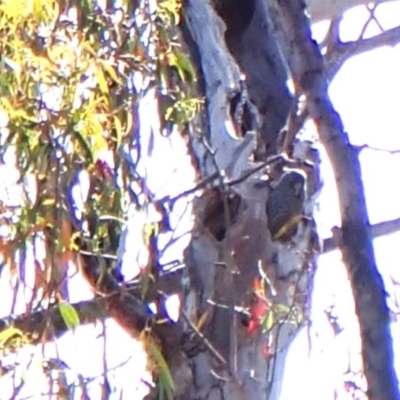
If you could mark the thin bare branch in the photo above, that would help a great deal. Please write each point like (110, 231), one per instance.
(341, 52)
(377, 230)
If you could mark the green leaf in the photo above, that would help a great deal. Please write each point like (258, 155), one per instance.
(282, 308)
(165, 385)
(84, 143)
(268, 321)
(68, 314)
(184, 66)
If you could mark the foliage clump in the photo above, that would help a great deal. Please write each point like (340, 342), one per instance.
(70, 81)
(68, 90)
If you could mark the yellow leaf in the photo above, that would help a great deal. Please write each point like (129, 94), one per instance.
(110, 71)
(48, 202)
(102, 81)
(168, 11)
(73, 243)
(8, 334)
(5, 103)
(118, 130)
(129, 122)
(92, 105)
(86, 46)
(46, 11)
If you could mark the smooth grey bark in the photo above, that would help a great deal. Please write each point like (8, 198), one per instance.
(231, 241)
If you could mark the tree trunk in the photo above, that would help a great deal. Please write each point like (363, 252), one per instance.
(247, 230)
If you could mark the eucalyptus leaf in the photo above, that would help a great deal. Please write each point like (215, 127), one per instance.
(69, 314)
